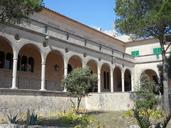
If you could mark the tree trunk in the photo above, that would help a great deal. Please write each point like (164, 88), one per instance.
(78, 103)
(165, 80)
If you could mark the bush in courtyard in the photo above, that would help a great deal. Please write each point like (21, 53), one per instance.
(78, 83)
(154, 114)
(73, 119)
(145, 98)
(145, 104)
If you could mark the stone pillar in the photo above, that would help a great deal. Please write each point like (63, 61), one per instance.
(123, 81)
(43, 77)
(65, 70)
(84, 64)
(99, 77)
(111, 79)
(132, 81)
(14, 73)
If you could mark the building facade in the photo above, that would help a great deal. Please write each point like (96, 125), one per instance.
(38, 55)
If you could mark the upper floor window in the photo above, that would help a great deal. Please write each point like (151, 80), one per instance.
(157, 52)
(135, 53)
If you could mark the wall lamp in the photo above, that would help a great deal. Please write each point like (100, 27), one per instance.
(46, 40)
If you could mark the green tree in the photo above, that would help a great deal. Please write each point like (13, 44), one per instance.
(78, 83)
(145, 100)
(145, 96)
(147, 18)
(12, 11)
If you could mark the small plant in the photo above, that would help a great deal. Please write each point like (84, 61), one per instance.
(73, 119)
(12, 119)
(128, 114)
(32, 118)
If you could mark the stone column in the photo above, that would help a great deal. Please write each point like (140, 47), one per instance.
(14, 73)
(65, 70)
(84, 63)
(123, 81)
(43, 76)
(111, 79)
(99, 77)
(132, 81)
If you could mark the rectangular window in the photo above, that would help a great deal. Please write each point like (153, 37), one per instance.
(157, 52)
(135, 53)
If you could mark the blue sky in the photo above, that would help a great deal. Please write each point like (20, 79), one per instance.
(94, 13)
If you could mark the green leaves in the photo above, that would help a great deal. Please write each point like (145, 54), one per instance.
(145, 97)
(78, 83)
(12, 11)
(144, 18)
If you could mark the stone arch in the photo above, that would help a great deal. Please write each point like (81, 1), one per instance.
(127, 80)
(6, 62)
(152, 74)
(92, 64)
(117, 80)
(28, 79)
(74, 62)
(105, 78)
(54, 70)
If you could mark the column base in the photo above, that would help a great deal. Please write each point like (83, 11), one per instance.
(64, 90)
(42, 89)
(13, 88)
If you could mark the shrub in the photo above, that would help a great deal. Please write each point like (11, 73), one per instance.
(78, 83)
(73, 119)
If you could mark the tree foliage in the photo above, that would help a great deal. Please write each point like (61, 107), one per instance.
(147, 18)
(78, 83)
(144, 18)
(146, 100)
(145, 96)
(12, 11)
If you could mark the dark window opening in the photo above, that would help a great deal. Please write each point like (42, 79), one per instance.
(24, 63)
(104, 77)
(31, 64)
(108, 80)
(69, 68)
(9, 61)
(2, 59)
(18, 63)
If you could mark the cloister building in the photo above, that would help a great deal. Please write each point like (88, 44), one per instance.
(37, 55)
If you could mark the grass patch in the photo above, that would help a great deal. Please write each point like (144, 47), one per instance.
(113, 119)
(85, 120)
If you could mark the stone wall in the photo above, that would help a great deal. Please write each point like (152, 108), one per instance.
(117, 101)
(17, 101)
